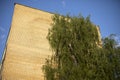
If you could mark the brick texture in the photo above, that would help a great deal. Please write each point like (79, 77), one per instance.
(27, 46)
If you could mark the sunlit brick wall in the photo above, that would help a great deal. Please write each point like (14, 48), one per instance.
(27, 46)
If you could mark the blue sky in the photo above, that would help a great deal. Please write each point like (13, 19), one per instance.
(105, 13)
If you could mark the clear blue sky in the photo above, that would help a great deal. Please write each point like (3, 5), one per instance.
(105, 13)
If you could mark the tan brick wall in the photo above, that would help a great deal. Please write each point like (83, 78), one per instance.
(99, 43)
(27, 46)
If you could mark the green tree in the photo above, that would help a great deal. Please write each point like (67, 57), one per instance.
(112, 52)
(76, 54)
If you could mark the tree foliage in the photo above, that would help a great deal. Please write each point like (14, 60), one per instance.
(76, 54)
